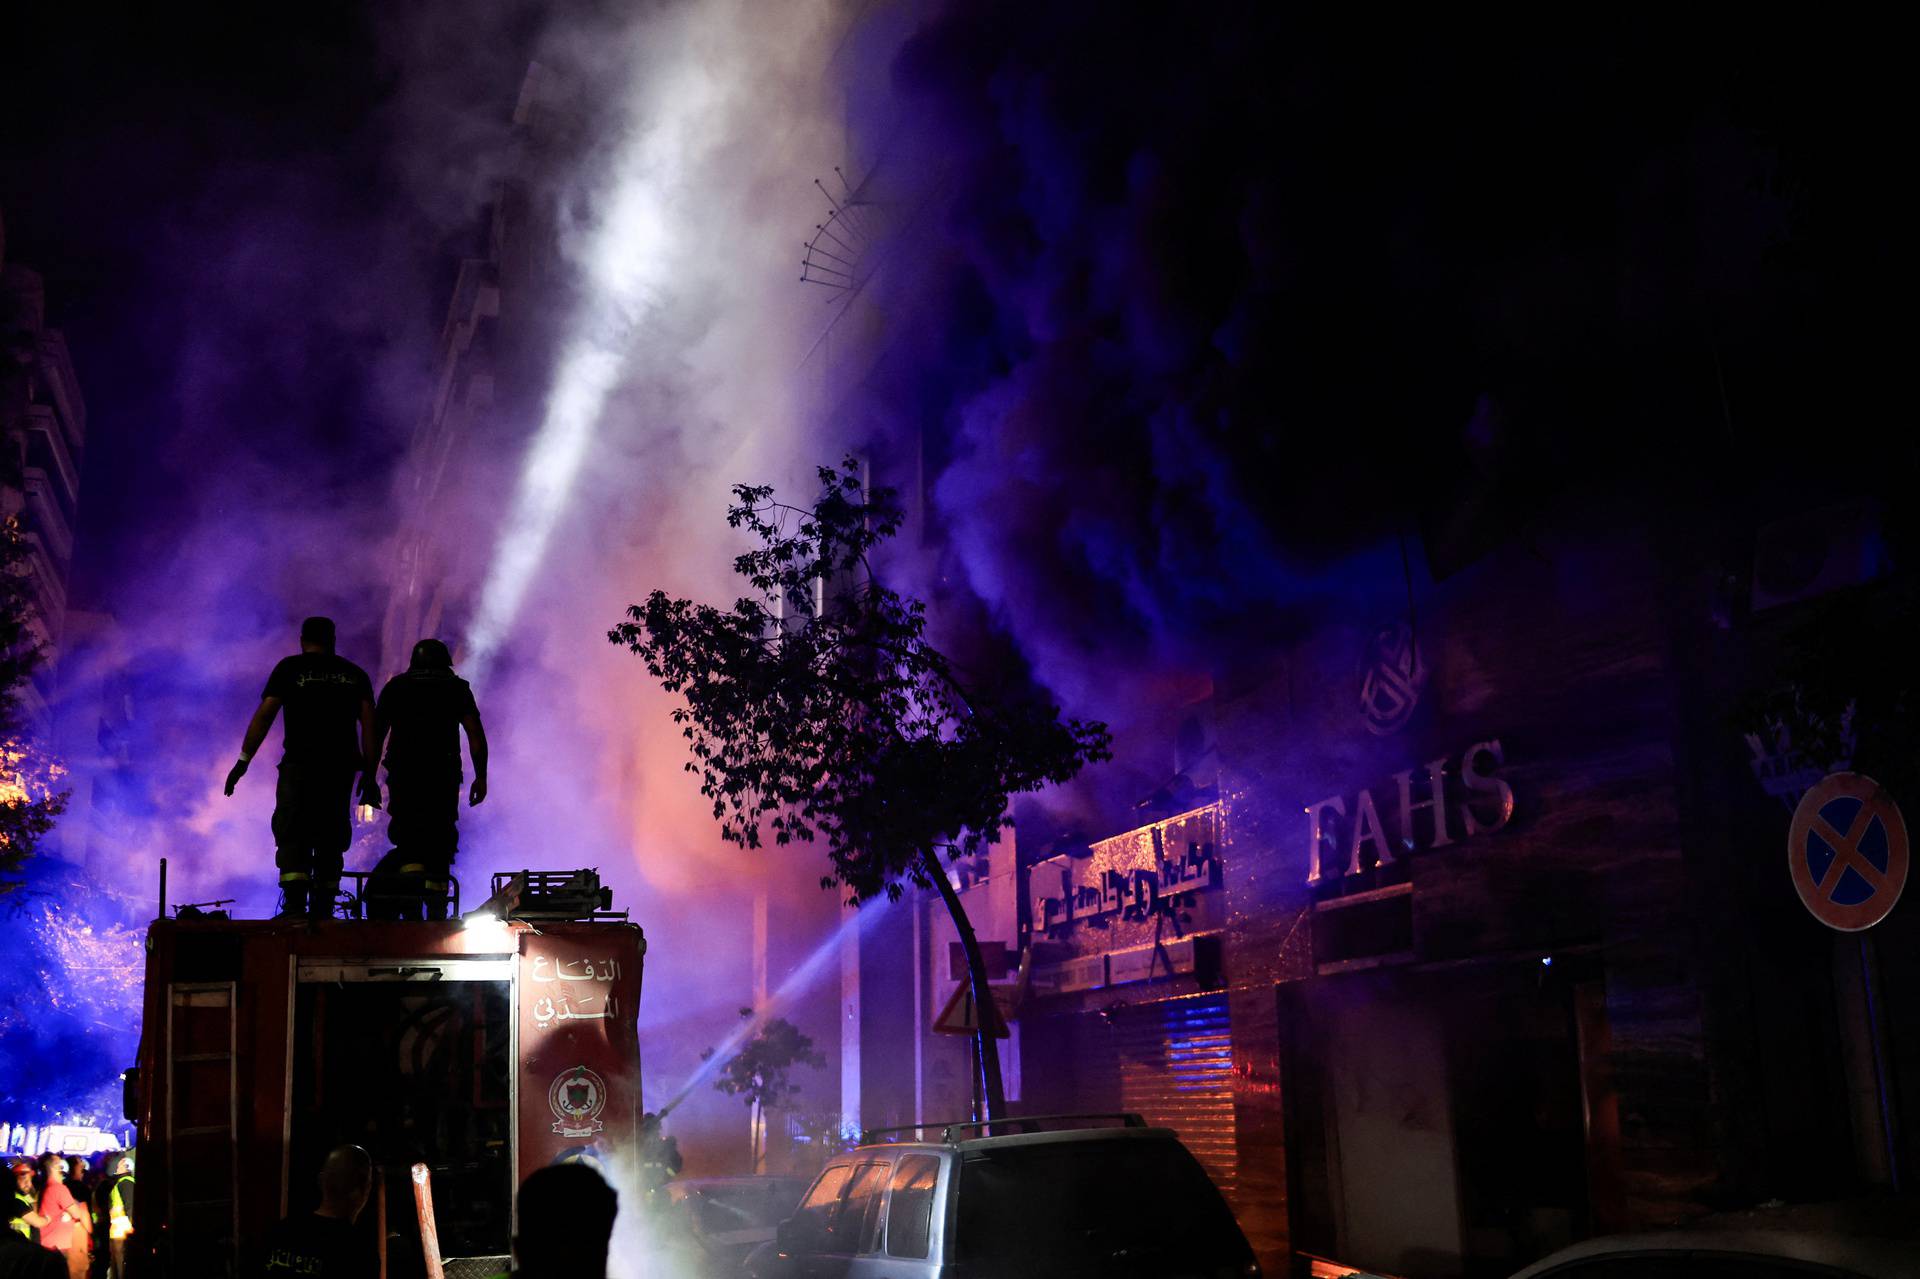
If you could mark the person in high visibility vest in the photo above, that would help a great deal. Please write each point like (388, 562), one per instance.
(29, 1220)
(19, 1258)
(119, 1214)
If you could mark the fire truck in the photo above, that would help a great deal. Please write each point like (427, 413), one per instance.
(462, 1053)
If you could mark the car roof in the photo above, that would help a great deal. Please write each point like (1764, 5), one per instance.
(1058, 1137)
(1874, 1258)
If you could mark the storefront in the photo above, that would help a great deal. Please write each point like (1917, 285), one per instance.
(1127, 1011)
(1444, 1106)
(1488, 1038)
(1487, 945)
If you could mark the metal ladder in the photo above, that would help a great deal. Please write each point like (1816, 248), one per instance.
(203, 1115)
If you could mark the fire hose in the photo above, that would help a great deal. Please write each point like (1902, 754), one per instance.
(423, 1205)
(380, 1215)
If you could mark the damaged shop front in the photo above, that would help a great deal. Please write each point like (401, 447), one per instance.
(1469, 1027)
(1446, 1087)
(1514, 947)
(1373, 1105)
(1127, 1011)
(1550, 895)
(1438, 984)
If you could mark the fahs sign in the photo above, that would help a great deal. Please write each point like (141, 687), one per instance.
(1436, 805)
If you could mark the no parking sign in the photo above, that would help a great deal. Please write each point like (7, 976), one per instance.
(1847, 851)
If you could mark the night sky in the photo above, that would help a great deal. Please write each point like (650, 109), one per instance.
(214, 197)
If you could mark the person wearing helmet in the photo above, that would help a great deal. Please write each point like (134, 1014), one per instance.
(27, 1221)
(113, 1213)
(20, 1256)
(419, 717)
(328, 700)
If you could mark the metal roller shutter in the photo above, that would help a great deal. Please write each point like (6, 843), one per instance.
(1176, 1068)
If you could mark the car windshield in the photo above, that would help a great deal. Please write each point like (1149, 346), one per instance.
(1092, 1208)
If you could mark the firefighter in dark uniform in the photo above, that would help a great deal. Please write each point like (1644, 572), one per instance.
(328, 701)
(419, 718)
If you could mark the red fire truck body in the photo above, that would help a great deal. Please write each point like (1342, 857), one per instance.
(482, 1051)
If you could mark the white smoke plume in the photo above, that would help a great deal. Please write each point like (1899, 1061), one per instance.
(674, 376)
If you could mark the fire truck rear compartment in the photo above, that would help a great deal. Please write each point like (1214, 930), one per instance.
(483, 1051)
(412, 1060)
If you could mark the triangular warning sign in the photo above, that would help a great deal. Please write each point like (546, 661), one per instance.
(958, 1017)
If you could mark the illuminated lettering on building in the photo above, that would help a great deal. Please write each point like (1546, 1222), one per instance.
(1137, 873)
(1427, 796)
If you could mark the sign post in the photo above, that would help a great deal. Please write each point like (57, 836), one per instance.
(961, 1017)
(1847, 852)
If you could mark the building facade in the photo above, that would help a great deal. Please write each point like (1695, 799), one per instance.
(1469, 926)
(43, 424)
(489, 371)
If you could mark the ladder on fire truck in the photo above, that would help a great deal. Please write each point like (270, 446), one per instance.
(203, 1116)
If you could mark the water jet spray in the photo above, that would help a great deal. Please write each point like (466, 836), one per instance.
(800, 979)
(627, 256)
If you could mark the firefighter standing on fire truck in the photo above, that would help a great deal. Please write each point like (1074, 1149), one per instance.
(419, 717)
(325, 696)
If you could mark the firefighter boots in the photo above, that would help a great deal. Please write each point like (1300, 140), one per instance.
(326, 893)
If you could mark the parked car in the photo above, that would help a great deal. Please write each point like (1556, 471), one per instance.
(1060, 1200)
(1731, 1254)
(713, 1223)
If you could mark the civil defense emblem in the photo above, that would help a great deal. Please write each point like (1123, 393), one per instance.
(577, 1097)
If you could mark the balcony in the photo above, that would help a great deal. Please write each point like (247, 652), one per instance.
(63, 388)
(47, 451)
(45, 582)
(46, 517)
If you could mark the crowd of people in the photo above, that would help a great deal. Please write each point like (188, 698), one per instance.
(68, 1218)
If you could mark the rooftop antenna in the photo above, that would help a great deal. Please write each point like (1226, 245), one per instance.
(838, 246)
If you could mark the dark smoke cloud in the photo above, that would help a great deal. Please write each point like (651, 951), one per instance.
(1191, 307)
